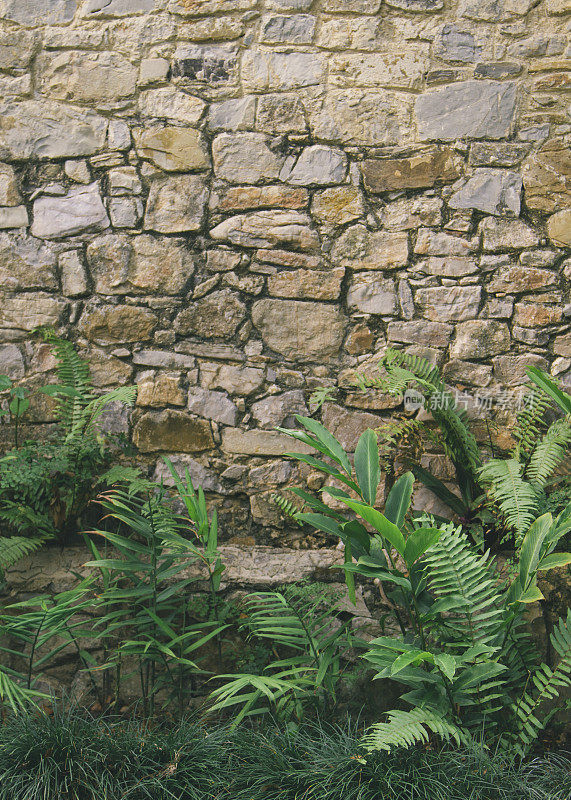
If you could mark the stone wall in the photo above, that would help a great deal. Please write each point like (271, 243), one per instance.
(233, 202)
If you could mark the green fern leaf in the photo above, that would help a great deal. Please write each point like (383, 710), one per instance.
(548, 453)
(407, 728)
(515, 498)
(13, 548)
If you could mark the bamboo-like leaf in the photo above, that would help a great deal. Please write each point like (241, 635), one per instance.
(367, 466)
(398, 501)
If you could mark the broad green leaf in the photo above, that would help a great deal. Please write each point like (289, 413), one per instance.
(379, 522)
(398, 501)
(418, 543)
(367, 466)
(563, 399)
(327, 440)
(531, 547)
(532, 595)
(321, 523)
(447, 664)
(349, 578)
(554, 560)
(412, 657)
(472, 676)
(5, 383)
(357, 534)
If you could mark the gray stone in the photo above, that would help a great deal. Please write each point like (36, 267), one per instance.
(212, 405)
(9, 190)
(269, 71)
(245, 158)
(232, 115)
(117, 8)
(493, 191)
(290, 29)
(118, 135)
(499, 234)
(38, 12)
(289, 5)
(124, 181)
(306, 284)
(299, 330)
(73, 274)
(176, 204)
(125, 212)
(511, 369)
(162, 358)
(439, 243)
(199, 475)
(485, 154)
(280, 113)
(358, 248)
(372, 294)
(233, 379)
(449, 266)
(480, 338)
(107, 324)
(16, 48)
(49, 130)
(498, 70)
(80, 211)
(26, 263)
(78, 171)
(457, 45)
(259, 443)
(171, 104)
(217, 315)
(471, 109)
(268, 229)
(434, 334)
(279, 409)
(211, 68)
(409, 213)
(352, 6)
(449, 304)
(317, 165)
(100, 79)
(419, 6)
(11, 362)
(13, 217)
(458, 371)
(26, 312)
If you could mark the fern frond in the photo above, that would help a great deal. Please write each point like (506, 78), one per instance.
(407, 728)
(287, 507)
(548, 453)
(530, 421)
(13, 548)
(516, 499)
(94, 408)
(547, 682)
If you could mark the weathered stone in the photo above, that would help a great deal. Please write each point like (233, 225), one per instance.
(217, 315)
(534, 337)
(410, 213)
(78, 171)
(26, 312)
(419, 6)
(268, 229)
(124, 181)
(499, 234)
(74, 281)
(251, 284)
(13, 217)
(153, 70)
(212, 405)
(490, 190)
(562, 345)
(521, 279)
(95, 78)
(214, 29)
(245, 158)
(176, 204)
(9, 190)
(279, 409)
(117, 8)
(299, 331)
(125, 212)
(316, 165)
(471, 109)
(559, 228)
(370, 293)
(163, 359)
(172, 105)
(510, 370)
(108, 324)
(498, 70)
(347, 426)
(457, 371)
(11, 362)
(172, 149)
(136, 265)
(38, 12)
(450, 266)
(449, 304)
(197, 8)
(280, 113)
(338, 205)
(399, 70)
(264, 71)
(222, 260)
(425, 168)
(159, 389)
(438, 243)
(244, 198)
(172, 431)
(457, 45)
(547, 177)
(79, 211)
(289, 29)
(233, 379)
(16, 48)
(199, 475)
(480, 338)
(118, 135)
(360, 340)
(232, 115)
(259, 443)
(353, 6)
(47, 129)
(434, 334)
(305, 284)
(501, 154)
(357, 248)
(285, 258)
(210, 69)
(532, 315)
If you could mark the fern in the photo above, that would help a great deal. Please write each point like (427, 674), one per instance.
(548, 453)
(547, 682)
(406, 728)
(530, 421)
(515, 498)
(287, 507)
(13, 548)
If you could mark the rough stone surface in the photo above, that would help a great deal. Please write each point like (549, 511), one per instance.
(317, 165)
(480, 339)
(30, 12)
(217, 314)
(279, 409)
(172, 431)
(268, 229)
(423, 169)
(559, 228)
(96, 78)
(212, 405)
(305, 284)
(297, 330)
(492, 191)
(547, 177)
(245, 158)
(176, 204)
(359, 248)
(117, 324)
(173, 149)
(449, 304)
(372, 294)
(81, 210)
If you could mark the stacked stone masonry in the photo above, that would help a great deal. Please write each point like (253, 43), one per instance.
(234, 202)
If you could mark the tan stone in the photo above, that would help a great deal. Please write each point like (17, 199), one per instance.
(176, 204)
(358, 248)
(559, 228)
(9, 190)
(260, 443)
(401, 70)
(562, 345)
(172, 149)
(26, 312)
(244, 198)
(96, 78)
(217, 315)
(298, 330)
(547, 177)
(106, 370)
(233, 379)
(360, 340)
(285, 258)
(521, 279)
(171, 104)
(136, 265)
(347, 426)
(457, 372)
(530, 315)
(434, 334)
(160, 389)
(108, 324)
(305, 284)
(511, 369)
(268, 229)
(480, 338)
(338, 205)
(411, 212)
(427, 167)
(503, 234)
(449, 304)
(26, 263)
(450, 266)
(172, 432)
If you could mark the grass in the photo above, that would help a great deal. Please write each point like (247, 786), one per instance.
(70, 756)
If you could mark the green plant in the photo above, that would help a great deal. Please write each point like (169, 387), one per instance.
(299, 624)
(146, 609)
(463, 654)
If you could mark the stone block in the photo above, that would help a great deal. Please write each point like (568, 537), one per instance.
(11, 362)
(260, 443)
(279, 409)
(317, 165)
(26, 263)
(280, 113)
(510, 370)
(498, 154)
(100, 79)
(457, 372)
(411, 212)
(536, 315)
(521, 278)
(235, 380)
(9, 189)
(14, 217)
(347, 426)
(439, 243)
(268, 229)
(245, 158)
(449, 266)
(217, 315)
(159, 389)
(370, 293)
(172, 431)
(299, 330)
(79, 211)
(449, 304)
(417, 6)
(425, 168)
(212, 69)
(232, 115)
(172, 105)
(16, 48)
(117, 8)
(400, 70)
(480, 338)
(358, 248)
(125, 212)
(288, 29)
(500, 234)
(212, 405)
(547, 177)
(38, 12)
(267, 71)
(26, 312)
(176, 204)
(124, 181)
(434, 334)
(303, 284)
(338, 205)
(470, 109)
(456, 45)
(172, 149)
(559, 228)
(492, 191)
(74, 281)
(245, 198)
(107, 324)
